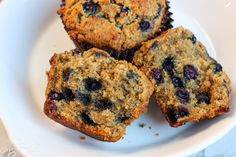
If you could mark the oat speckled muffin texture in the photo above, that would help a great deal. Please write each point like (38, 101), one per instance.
(189, 85)
(114, 24)
(95, 94)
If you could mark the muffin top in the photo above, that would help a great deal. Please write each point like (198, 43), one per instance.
(116, 24)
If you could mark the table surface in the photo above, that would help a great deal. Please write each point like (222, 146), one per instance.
(222, 148)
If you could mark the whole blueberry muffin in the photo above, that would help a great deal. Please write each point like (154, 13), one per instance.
(114, 25)
(189, 85)
(95, 94)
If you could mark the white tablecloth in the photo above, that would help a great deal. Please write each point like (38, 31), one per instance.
(222, 148)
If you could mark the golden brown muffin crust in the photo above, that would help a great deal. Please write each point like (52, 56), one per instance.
(116, 24)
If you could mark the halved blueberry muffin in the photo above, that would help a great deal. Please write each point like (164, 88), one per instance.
(189, 85)
(117, 26)
(95, 94)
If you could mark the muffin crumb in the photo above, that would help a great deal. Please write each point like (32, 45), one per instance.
(189, 84)
(142, 125)
(93, 93)
(82, 138)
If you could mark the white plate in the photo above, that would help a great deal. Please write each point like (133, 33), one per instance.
(30, 31)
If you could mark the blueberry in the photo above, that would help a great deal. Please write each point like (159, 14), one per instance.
(66, 74)
(124, 9)
(157, 75)
(182, 94)
(83, 98)
(90, 7)
(103, 104)
(75, 51)
(86, 119)
(168, 65)
(100, 54)
(52, 107)
(144, 25)
(182, 112)
(193, 39)
(154, 45)
(203, 97)
(190, 72)
(177, 82)
(218, 67)
(55, 96)
(131, 74)
(67, 94)
(174, 114)
(170, 112)
(92, 84)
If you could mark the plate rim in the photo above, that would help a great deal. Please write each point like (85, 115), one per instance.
(192, 149)
(26, 152)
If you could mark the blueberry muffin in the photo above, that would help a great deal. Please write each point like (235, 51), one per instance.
(114, 25)
(189, 85)
(95, 94)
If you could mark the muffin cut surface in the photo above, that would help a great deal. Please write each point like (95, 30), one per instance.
(189, 85)
(95, 94)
